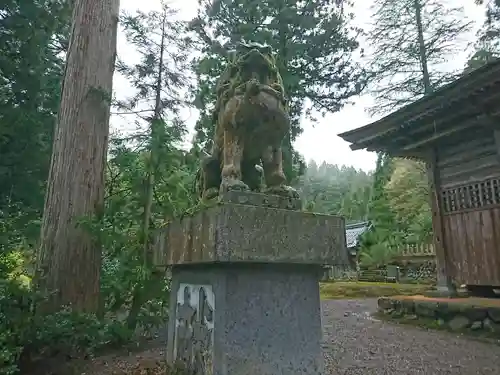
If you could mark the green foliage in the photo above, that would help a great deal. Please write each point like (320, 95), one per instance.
(28, 337)
(124, 269)
(32, 35)
(163, 48)
(409, 199)
(395, 198)
(380, 213)
(377, 255)
(399, 210)
(149, 176)
(336, 190)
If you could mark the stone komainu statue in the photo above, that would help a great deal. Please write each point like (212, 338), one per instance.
(251, 121)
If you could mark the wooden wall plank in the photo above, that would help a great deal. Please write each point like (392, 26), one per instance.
(486, 234)
(495, 224)
(453, 247)
(473, 239)
(463, 161)
(476, 138)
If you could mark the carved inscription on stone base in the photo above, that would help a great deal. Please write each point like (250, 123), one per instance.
(194, 327)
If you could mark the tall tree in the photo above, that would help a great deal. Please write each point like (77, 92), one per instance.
(379, 210)
(158, 79)
(410, 39)
(313, 43)
(378, 245)
(70, 258)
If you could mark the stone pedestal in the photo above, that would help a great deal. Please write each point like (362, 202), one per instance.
(245, 293)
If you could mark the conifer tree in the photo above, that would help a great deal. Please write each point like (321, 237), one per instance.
(410, 40)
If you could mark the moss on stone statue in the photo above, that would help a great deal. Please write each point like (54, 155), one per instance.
(251, 119)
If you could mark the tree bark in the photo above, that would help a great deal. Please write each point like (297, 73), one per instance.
(69, 259)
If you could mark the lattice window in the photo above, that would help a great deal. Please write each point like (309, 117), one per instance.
(495, 187)
(473, 196)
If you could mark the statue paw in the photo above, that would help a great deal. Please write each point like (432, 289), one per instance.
(284, 191)
(229, 184)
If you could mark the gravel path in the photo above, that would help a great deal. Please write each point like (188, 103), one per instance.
(355, 343)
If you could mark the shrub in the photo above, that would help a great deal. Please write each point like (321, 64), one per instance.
(26, 337)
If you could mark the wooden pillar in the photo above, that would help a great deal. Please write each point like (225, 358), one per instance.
(496, 134)
(444, 277)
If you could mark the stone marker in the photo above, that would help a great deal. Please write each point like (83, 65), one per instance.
(245, 292)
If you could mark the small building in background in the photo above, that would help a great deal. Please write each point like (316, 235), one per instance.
(353, 233)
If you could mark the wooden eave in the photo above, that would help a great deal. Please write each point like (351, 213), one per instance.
(454, 109)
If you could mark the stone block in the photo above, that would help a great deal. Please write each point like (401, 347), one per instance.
(459, 323)
(442, 292)
(232, 319)
(408, 306)
(426, 308)
(491, 326)
(446, 310)
(474, 313)
(385, 303)
(476, 326)
(232, 232)
(494, 314)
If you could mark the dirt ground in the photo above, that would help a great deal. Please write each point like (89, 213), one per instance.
(354, 344)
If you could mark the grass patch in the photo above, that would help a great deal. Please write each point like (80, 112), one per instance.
(357, 290)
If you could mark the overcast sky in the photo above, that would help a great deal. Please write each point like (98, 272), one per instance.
(319, 142)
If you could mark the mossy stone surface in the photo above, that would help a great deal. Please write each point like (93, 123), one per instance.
(230, 232)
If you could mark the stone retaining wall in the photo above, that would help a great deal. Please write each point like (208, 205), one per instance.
(456, 316)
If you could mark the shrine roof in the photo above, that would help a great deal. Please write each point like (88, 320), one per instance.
(458, 107)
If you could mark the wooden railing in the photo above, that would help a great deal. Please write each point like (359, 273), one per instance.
(377, 275)
(417, 250)
(424, 273)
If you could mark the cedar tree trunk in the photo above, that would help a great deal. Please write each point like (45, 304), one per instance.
(69, 259)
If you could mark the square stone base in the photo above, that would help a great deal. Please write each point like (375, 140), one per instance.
(251, 318)
(240, 233)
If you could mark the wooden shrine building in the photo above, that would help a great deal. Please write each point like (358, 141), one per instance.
(456, 131)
